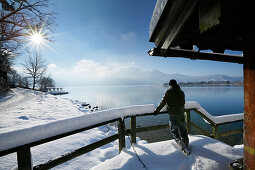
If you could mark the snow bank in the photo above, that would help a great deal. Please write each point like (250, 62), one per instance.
(20, 137)
(215, 119)
(206, 153)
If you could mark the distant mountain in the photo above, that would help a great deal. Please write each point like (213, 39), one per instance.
(135, 76)
(156, 77)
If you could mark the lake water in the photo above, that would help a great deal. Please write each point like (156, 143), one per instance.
(215, 100)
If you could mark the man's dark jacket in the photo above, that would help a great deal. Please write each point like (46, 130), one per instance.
(175, 100)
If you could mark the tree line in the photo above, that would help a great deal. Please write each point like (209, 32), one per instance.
(18, 19)
(209, 83)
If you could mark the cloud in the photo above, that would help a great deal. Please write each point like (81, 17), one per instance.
(128, 36)
(19, 69)
(51, 66)
(90, 72)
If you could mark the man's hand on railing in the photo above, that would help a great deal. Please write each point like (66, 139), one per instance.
(156, 112)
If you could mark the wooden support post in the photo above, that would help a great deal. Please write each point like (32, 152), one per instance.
(24, 159)
(249, 93)
(187, 119)
(133, 129)
(121, 131)
(215, 131)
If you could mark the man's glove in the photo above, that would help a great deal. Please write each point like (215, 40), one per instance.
(156, 112)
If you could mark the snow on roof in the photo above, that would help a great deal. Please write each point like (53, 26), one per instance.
(206, 153)
(20, 137)
(160, 5)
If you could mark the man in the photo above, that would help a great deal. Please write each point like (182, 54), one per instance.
(175, 100)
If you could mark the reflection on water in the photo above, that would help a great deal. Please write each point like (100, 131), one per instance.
(216, 100)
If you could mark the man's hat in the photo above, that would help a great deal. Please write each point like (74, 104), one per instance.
(172, 82)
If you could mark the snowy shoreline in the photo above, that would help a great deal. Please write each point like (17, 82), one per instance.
(27, 108)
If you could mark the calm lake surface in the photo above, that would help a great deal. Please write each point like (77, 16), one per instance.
(215, 100)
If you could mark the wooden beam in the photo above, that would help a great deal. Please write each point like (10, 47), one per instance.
(64, 158)
(233, 132)
(200, 129)
(185, 10)
(249, 94)
(172, 19)
(24, 158)
(187, 120)
(194, 55)
(45, 140)
(133, 129)
(150, 128)
(121, 132)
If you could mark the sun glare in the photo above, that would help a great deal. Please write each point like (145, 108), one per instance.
(37, 38)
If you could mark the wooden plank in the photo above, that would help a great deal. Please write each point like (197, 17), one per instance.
(180, 19)
(194, 55)
(204, 116)
(133, 129)
(229, 122)
(148, 114)
(200, 129)
(187, 119)
(24, 158)
(121, 132)
(150, 128)
(171, 9)
(39, 142)
(76, 153)
(233, 132)
(215, 131)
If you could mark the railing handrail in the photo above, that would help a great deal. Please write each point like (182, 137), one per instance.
(214, 120)
(24, 154)
(80, 124)
(190, 105)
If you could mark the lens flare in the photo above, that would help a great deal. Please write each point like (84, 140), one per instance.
(37, 38)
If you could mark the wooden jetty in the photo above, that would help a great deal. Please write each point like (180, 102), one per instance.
(56, 90)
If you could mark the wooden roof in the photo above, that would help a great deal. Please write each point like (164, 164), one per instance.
(209, 24)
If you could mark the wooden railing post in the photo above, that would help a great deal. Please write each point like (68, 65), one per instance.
(121, 131)
(215, 131)
(24, 158)
(133, 129)
(187, 119)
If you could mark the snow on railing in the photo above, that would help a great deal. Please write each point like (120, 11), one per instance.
(21, 141)
(21, 137)
(215, 119)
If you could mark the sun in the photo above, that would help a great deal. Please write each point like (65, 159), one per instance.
(36, 38)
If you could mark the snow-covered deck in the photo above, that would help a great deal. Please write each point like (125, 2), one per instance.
(206, 153)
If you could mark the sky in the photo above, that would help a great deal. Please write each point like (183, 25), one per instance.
(96, 39)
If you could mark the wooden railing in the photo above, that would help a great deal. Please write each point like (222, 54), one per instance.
(24, 154)
(215, 126)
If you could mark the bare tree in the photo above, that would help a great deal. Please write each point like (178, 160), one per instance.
(23, 82)
(35, 67)
(46, 82)
(18, 19)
